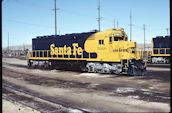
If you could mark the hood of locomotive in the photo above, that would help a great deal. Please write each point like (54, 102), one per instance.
(125, 49)
(111, 45)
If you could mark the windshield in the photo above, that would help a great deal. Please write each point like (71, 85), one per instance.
(118, 39)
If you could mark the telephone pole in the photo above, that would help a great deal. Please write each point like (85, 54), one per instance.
(130, 26)
(167, 31)
(55, 16)
(117, 24)
(114, 23)
(144, 35)
(98, 19)
(23, 47)
(8, 42)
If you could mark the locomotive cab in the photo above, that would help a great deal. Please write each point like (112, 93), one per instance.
(113, 46)
(119, 35)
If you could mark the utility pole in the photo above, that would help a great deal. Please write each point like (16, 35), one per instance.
(130, 26)
(167, 31)
(114, 23)
(23, 47)
(8, 42)
(98, 19)
(117, 24)
(144, 35)
(55, 16)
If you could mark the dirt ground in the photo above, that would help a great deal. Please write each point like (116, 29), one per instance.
(94, 91)
(12, 107)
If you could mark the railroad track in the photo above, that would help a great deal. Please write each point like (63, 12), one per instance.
(147, 95)
(159, 65)
(22, 103)
(11, 89)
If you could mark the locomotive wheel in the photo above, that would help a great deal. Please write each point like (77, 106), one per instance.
(167, 61)
(29, 64)
(134, 72)
(46, 66)
(91, 69)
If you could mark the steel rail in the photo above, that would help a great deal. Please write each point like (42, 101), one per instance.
(23, 104)
(44, 98)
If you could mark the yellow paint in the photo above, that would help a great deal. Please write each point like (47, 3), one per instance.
(110, 51)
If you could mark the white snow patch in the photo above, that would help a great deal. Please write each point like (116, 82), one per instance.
(125, 89)
(89, 110)
(157, 69)
(136, 97)
(54, 71)
(147, 90)
(148, 93)
(151, 88)
(164, 97)
(90, 75)
(37, 71)
(75, 111)
(93, 85)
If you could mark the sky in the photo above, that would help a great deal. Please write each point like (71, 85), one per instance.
(27, 19)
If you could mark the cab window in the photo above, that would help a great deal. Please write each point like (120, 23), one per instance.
(115, 38)
(120, 39)
(110, 39)
(101, 42)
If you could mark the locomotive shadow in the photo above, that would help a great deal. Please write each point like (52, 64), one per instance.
(163, 76)
(159, 75)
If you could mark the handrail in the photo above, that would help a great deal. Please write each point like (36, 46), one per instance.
(39, 53)
(159, 49)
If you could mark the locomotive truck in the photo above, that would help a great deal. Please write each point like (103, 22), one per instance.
(102, 52)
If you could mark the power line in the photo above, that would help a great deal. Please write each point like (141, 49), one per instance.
(21, 22)
(137, 26)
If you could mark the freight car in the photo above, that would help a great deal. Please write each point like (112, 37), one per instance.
(104, 52)
(160, 49)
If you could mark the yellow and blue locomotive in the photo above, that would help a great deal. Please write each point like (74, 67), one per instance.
(160, 49)
(104, 52)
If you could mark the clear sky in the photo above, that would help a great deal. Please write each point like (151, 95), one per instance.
(27, 19)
